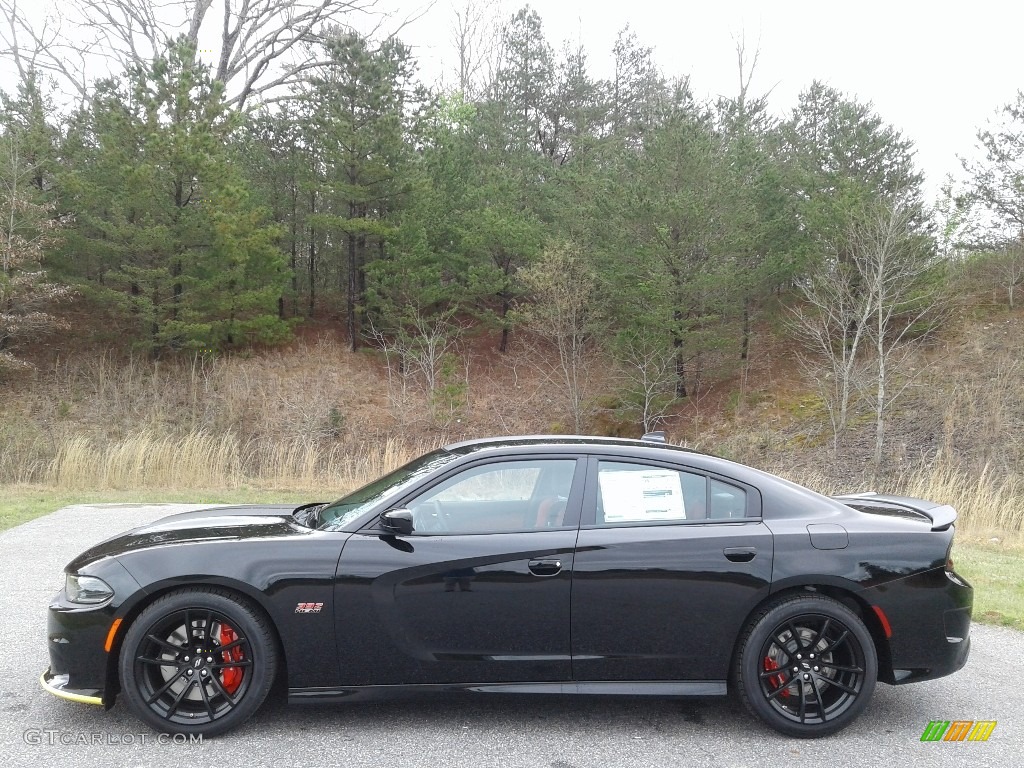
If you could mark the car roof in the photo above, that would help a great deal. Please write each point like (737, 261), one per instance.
(539, 441)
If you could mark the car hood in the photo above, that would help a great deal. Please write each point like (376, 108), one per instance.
(203, 525)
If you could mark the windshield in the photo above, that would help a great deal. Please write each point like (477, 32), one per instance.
(348, 508)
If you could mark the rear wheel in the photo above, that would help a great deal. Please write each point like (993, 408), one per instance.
(806, 666)
(198, 661)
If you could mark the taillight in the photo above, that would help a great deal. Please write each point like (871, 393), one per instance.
(950, 573)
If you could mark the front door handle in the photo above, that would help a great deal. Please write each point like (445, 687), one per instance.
(545, 567)
(740, 554)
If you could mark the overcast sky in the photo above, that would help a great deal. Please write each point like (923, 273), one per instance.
(936, 71)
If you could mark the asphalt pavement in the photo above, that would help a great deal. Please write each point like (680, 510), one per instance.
(468, 730)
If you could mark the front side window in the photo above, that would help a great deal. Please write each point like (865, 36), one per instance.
(497, 498)
(350, 507)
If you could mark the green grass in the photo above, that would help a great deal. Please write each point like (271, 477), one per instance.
(996, 571)
(997, 574)
(21, 503)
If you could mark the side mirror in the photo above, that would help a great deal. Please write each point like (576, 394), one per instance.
(397, 521)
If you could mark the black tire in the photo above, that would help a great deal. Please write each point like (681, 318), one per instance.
(806, 666)
(206, 679)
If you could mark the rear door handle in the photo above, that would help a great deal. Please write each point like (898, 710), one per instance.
(740, 554)
(545, 567)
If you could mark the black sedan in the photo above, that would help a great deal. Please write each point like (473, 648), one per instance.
(535, 565)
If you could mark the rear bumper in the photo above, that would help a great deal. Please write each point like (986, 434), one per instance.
(930, 617)
(954, 662)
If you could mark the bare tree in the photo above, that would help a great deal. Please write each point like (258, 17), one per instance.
(997, 180)
(746, 67)
(875, 300)
(832, 324)
(1009, 268)
(423, 359)
(262, 46)
(560, 314)
(44, 48)
(646, 370)
(475, 36)
(893, 262)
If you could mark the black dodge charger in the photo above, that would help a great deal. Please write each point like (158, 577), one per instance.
(530, 564)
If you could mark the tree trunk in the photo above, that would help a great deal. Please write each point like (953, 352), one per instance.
(154, 327)
(176, 268)
(680, 355)
(350, 294)
(880, 396)
(295, 250)
(745, 343)
(312, 270)
(361, 260)
(505, 306)
(880, 413)
(844, 403)
(176, 274)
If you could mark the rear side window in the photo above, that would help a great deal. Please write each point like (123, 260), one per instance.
(638, 494)
(727, 501)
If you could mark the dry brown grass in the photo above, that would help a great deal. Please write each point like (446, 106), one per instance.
(988, 503)
(293, 418)
(296, 418)
(313, 390)
(202, 460)
(314, 415)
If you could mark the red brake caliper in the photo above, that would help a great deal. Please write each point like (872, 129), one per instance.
(230, 677)
(776, 681)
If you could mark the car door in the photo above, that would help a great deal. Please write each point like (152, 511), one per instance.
(669, 563)
(479, 592)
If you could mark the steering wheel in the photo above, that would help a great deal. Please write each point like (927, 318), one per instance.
(429, 518)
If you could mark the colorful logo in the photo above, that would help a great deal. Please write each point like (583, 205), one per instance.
(958, 730)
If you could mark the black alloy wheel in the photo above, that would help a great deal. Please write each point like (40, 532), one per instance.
(198, 661)
(807, 666)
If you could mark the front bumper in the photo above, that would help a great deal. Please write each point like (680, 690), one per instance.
(58, 686)
(83, 641)
(78, 661)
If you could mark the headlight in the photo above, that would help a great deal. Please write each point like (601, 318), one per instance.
(87, 589)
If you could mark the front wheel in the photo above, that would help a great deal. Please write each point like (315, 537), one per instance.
(198, 661)
(806, 666)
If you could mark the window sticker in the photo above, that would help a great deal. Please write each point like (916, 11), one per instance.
(639, 496)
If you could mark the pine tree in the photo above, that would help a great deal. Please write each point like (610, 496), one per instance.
(358, 107)
(164, 228)
(29, 225)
